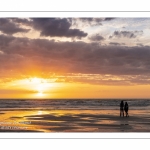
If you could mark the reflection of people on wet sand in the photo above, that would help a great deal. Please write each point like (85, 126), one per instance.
(121, 108)
(126, 108)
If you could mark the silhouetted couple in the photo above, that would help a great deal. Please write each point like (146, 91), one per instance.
(124, 108)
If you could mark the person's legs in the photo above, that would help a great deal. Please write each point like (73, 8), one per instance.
(121, 112)
(127, 113)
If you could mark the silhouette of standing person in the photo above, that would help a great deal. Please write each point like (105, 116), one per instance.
(126, 108)
(121, 108)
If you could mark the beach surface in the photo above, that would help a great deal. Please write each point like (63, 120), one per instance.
(73, 121)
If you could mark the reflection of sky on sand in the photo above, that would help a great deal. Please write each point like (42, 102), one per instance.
(74, 121)
(16, 120)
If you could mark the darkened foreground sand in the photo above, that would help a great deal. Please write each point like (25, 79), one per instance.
(73, 121)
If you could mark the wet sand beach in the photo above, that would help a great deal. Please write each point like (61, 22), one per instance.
(73, 121)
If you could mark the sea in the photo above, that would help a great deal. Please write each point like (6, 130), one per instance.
(72, 104)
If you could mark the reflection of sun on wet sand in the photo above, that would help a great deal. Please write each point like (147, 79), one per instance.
(73, 121)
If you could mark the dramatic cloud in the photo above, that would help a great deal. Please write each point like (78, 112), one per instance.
(56, 27)
(24, 54)
(127, 34)
(113, 62)
(96, 37)
(8, 27)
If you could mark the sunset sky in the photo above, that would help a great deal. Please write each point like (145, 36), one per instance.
(74, 57)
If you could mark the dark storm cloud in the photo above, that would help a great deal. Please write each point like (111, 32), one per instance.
(96, 37)
(127, 34)
(24, 56)
(9, 27)
(56, 27)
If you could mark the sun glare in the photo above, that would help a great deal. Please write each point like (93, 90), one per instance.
(34, 87)
(40, 113)
(38, 86)
(40, 94)
(36, 80)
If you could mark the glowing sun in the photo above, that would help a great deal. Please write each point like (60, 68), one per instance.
(40, 94)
